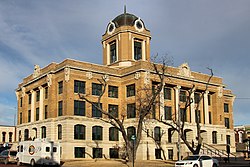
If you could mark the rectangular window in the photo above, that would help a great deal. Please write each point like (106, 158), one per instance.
(96, 89)
(226, 108)
(37, 114)
(137, 50)
(158, 153)
(95, 112)
(227, 124)
(196, 98)
(183, 97)
(210, 117)
(113, 152)
(60, 108)
(168, 112)
(209, 100)
(167, 93)
(79, 87)
(113, 57)
(29, 115)
(113, 91)
(170, 154)
(97, 152)
(21, 102)
(30, 98)
(214, 137)
(131, 110)
(131, 90)
(79, 152)
(60, 87)
(79, 108)
(228, 138)
(37, 95)
(46, 92)
(21, 118)
(45, 111)
(183, 115)
(113, 110)
(198, 116)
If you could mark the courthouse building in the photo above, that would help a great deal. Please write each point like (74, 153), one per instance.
(49, 105)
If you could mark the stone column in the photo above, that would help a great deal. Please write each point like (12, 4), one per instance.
(177, 101)
(143, 50)
(41, 103)
(206, 112)
(192, 108)
(162, 104)
(33, 96)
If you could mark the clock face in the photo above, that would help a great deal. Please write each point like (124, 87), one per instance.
(111, 28)
(139, 25)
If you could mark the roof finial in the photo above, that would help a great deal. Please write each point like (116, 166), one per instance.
(125, 9)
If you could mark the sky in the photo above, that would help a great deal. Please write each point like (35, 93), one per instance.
(203, 33)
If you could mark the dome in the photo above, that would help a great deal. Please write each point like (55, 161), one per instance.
(125, 19)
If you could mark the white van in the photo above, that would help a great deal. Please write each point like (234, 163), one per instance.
(39, 151)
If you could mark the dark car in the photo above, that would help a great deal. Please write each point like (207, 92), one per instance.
(8, 156)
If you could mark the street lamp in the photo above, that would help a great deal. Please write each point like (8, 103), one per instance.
(133, 138)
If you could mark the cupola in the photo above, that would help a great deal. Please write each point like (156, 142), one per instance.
(126, 40)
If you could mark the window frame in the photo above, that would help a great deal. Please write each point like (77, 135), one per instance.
(130, 90)
(79, 86)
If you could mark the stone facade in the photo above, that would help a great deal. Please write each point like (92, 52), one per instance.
(49, 105)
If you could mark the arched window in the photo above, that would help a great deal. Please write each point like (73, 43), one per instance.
(35, 132)
(96, 133)
(3, 136)
(113, 134)
(157, 133)
(130, 132)
(19, 135)
(26, 134)
(79, 132)
(10, 136)
(59, 132)
(43, 132)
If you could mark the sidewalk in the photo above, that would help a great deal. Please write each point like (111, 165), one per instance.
(117, 163)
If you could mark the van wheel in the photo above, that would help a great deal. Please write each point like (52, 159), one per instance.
(195, 165)
(32, 163)
(18, 163)
(6, 161)
(214, 165)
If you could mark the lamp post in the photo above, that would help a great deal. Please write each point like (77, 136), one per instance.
(133, 153)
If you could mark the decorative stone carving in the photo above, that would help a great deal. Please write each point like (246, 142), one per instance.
(184, 70)
(49, 79)
(220, 91)
(89, 75)
(23, 91)
(105, 77)
(147, 78)
(137, 75)
(67, 74)
(37, 70)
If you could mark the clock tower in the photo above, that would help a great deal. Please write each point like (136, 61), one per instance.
(125, 41)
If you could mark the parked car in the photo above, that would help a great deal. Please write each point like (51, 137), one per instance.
(198, 161)
(8, 156)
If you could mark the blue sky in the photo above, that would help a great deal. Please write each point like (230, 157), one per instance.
(204, 33)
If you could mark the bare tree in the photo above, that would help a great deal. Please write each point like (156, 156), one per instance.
(146, 98)
(179, 125)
